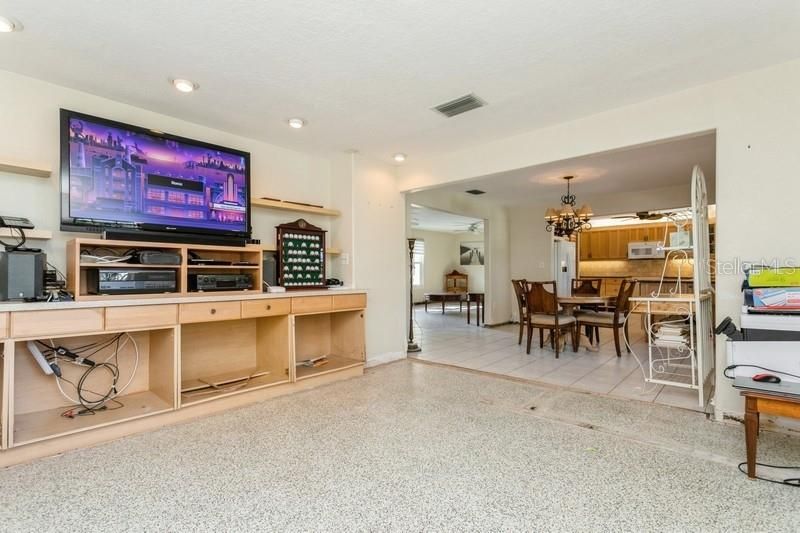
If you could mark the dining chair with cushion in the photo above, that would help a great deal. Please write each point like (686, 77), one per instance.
(616, 319)
(521, 292)
(543, 314)
(588, 287)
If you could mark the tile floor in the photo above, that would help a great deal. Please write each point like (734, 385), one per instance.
(447, 339)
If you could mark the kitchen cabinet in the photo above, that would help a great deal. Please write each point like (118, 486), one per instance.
(612, 243)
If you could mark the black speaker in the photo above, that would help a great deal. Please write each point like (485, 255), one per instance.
(22, 275)
(270, 268)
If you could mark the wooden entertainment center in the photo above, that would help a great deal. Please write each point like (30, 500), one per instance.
(197, 353)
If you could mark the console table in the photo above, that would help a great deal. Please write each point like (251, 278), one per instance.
(189, 349)
(757, 402)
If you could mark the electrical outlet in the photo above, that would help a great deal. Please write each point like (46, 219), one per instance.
(541, 264)
(345, 259)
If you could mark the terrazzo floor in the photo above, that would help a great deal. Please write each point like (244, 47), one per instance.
(413, 446)
(448, 339)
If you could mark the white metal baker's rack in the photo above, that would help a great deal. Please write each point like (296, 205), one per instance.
(691, 364)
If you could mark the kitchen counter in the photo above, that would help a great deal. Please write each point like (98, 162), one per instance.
(648, 279)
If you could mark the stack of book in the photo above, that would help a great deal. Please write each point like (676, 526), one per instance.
(672, 336)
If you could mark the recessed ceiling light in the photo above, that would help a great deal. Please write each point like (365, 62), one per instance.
(184, 85)
(296, 123)
(399, 157)
(8, 25)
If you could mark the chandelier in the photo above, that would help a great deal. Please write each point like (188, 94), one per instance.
(565, 220)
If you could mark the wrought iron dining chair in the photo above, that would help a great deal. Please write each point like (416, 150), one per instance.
(543, 314)
(617, 319)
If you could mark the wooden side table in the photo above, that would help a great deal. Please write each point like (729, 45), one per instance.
(757, 402)
(480, 308)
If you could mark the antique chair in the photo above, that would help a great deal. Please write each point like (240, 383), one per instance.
(588, 287)
(543, 314)
(616, 319)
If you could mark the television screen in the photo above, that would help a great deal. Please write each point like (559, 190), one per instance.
(119, 175)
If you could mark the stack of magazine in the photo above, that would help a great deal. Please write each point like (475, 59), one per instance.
(671, 336)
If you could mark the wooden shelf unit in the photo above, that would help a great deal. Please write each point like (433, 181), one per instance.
(233, 356)
(37, 405)
(299, 208)
(4, 400)
(338, 335)
(197, 356)
(77, 269)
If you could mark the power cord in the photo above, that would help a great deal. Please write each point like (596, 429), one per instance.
(20, 243)
(791, 481)
(732, 367)
(80, 356)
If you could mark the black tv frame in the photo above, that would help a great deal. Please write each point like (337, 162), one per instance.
(170, 232)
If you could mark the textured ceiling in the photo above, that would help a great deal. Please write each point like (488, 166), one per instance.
(428, 219)
(365, 73)
(639, 168)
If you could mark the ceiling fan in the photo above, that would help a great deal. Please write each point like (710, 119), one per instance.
(645, 215)
(476, 227)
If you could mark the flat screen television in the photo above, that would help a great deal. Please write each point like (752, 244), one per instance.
(116, 176)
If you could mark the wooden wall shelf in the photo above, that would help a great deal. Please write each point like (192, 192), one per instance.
(38, 234)
(25, 171)
(288, 206)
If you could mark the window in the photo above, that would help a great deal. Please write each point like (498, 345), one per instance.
(418, 261)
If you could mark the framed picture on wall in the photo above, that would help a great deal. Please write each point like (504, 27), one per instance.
(471, 253)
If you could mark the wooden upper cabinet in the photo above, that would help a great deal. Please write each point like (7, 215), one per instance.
(584, 246)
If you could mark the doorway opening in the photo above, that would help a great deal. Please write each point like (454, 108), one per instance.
(635, 194)
(447, 269)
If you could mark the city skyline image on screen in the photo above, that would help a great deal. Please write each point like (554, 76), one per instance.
(119, 176)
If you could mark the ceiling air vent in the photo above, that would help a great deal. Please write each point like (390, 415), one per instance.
(476, 192)
(460, 105)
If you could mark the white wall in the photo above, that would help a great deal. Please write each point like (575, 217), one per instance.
(497, 286)
(380, 256)
(755, 116)
(441, 257)
(29, 135)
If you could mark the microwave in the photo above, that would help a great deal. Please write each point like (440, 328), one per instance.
(646, 250)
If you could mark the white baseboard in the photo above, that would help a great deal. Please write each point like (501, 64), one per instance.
(383, 358)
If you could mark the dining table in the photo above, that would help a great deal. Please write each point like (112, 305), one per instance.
(570, 303)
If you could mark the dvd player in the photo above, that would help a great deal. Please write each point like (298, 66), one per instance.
(220, 282)
(131, 281)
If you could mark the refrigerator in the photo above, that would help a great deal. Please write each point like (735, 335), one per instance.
(563, 265)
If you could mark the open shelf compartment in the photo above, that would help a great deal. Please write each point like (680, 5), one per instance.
(38, 405)
(5, 347)
(233, 356)
(245, 260)
(338, 336)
